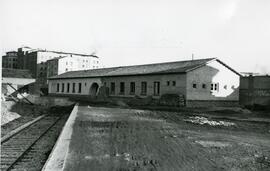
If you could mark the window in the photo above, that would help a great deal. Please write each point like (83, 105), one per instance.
(204, 86)
(66, 63)
(168, 83)
(57, 90)
(194, 85)
(112, 88)
(214, 87)
(225, 87)
(156, 88)
(144, 88)
(68, 87)
(132, 88)
(122, 88)
(85, 84)
(80, 88)
(63, 87)
(174, 83)
(73, 88)
(66, 69)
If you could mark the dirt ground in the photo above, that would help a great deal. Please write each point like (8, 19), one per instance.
(130, 139)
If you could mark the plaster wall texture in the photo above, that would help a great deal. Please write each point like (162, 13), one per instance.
(214, 72)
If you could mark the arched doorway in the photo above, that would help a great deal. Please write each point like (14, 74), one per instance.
(93, 90)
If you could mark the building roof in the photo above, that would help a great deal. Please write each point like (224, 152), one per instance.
(16, 73)
(148, 69)
(59, 52)
(56, 58)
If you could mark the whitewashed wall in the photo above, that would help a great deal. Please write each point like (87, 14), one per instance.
(86, 84)
(214, 72)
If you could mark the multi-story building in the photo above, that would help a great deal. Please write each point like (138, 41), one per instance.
(35, 60)
(71, 62)
(43, 63)
(10, 60)
(22, 56)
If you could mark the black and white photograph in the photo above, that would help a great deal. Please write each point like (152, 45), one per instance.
(125, 85)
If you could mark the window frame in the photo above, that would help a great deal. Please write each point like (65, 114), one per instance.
(156, 88)
(132, 88)
(80, 88)
(204, 86)
(112, 88)
(73, 87)
(122, 88)
(63, 87)
(57, 87)
(144, 88)
(214, 87)
(68, 87)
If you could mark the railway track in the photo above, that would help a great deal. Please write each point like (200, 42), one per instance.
(29, 149)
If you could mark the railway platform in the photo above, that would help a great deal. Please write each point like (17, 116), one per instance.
(100, 138)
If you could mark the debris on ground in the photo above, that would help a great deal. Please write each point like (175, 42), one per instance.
(216, 144)
(260, 158)
(6, 114)
(204, 120)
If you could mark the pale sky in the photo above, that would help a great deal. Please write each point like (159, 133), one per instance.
(125, 32)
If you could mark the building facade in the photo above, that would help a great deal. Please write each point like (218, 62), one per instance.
(10, 60)
(71, 62)
(201, 82)
(36, 61)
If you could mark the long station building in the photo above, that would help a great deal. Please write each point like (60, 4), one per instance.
(201, 82)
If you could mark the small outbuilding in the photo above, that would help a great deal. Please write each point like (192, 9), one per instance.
(202, 82)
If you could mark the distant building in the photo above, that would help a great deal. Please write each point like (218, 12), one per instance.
(35, 60)
(71, 62)
(22, 56)
(202, 82)
(255, 90)
(10, 60)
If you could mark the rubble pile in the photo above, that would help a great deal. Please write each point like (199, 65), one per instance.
(203, 121)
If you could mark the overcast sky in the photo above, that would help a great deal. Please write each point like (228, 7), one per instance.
(125, 32)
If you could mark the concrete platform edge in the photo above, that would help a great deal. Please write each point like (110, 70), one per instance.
(55, 161)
